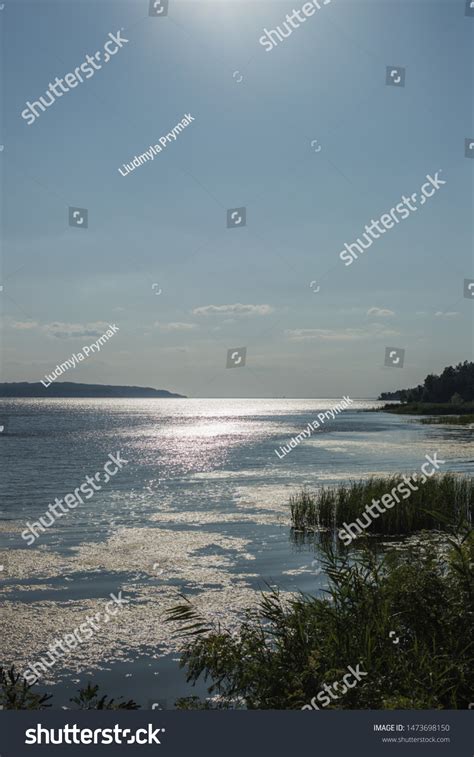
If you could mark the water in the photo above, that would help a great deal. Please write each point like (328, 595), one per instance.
(200, 508)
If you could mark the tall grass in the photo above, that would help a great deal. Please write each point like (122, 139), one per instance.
(440, 500)
(453, 420)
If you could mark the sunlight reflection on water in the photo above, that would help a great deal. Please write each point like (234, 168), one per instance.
(204, 496)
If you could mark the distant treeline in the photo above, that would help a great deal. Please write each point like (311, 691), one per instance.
(455, 384)
(71, 389)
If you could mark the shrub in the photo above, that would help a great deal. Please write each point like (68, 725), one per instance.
(287, 649)
(17, 694)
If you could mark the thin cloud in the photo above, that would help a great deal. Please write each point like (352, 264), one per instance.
(175, 326)
(343, 335)
(75, 330)
(24, 325)
(64, 330)
(237, 309)
(380, 313)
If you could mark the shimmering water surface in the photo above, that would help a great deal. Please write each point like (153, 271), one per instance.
(200, 508)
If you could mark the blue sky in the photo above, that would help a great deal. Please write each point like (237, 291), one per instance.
(249, 145)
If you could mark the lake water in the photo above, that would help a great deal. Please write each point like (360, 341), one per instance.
(200, 508)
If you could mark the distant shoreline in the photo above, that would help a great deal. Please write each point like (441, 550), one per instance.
(429, 408)
(70, 389)
(19, 389)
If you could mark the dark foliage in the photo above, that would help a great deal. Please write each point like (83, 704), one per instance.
(455, 384)
(17, 694)
(287, 649)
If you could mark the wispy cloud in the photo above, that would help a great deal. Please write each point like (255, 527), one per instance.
(237, 309)
(175, 326)
(447, 314)
(75, 330)
(380, 313)
(64, 330)
(342, 335)
(24, 325)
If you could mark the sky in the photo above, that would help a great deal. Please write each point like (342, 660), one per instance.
(307, 136)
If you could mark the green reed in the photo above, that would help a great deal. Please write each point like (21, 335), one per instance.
(442, 499)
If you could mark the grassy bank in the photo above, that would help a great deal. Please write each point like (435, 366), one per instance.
(406, 620)
(429, 408)
(442, 499)
(451, 420)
